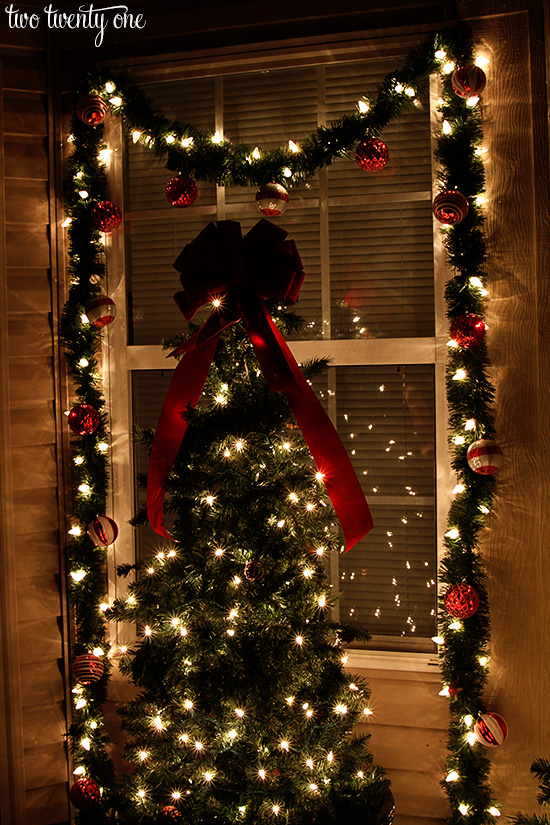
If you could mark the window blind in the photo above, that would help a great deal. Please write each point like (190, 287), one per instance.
(366, 242)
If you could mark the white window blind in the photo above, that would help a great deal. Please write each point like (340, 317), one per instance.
(367, 245)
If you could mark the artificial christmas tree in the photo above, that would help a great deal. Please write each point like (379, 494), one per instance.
(244, 711)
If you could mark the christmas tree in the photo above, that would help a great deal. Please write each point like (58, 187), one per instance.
(541, 769)
(244, 711)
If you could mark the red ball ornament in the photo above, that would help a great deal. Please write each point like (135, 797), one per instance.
(170, 814)
(103, 531)
(484, 456)
(468, 81)
(461, 601)
(371, 154)
(253, 571)
(91, 110)
(88, 668)
(101, 311)
(83, 419)
(181, 191)
(467, 330)
(85, 794)
(272, 199)
(105, 216)
(450, 207)
(491, 730)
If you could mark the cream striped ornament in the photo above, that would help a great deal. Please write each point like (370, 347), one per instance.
(484, 456)
(491, 730)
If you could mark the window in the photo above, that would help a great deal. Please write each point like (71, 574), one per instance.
(369, 303)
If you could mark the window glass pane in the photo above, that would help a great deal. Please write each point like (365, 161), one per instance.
(386, 419)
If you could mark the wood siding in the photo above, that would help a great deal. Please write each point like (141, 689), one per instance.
(34, 784)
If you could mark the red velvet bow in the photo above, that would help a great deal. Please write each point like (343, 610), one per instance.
(220, 265)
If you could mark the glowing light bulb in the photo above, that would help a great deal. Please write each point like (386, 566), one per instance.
(494, 811)
(209, 776)
(80, 771)
(308, 572)
(299, 640)
(217, 137)
(198, 746)
(399, 88)
(187, 142)
(313, 787)
(293, 497)
(481, 61)
(446, 128)
(141, 794)
(468, 720)
(239, 445)
(452, 534)
(102, 446)
(309, 763)
(230, 632)
(85, 743)
(103, 606)
(459, 488)
(256, 153)
(452, 344)
(78, 575)
(360, 775)
(475, 281)
(439, 640)
(341, 709)
(448, 68)
(158, 723)
(143, 755)
(176, 795)
(460, 375)
(261, 773)
(319, 476)
(170, 138)
(410, 92)
(237, 580)
(239, 712)
(84, 319)
(150, 570)
(455, 626)
(452, 776)
(363, 106)
(80, 703)
(293, 147)
(309, 713)
(289, 700)
(85, 489)
(330, 756)
(104, 155)
(485, 510)
(458, 440)
(471, 737)
(183, 738)
(310, 507)
(322, 601)
(281, 523)
(483, 661)
(188, 704)
(66, 222)
(75, 531)
(276, 809)
(287, 172)
(440, 54)
(219, 551)
(284, 745)
(147, 631)
(116, 100)
(232, 734)
(136, 136)
(367, 712)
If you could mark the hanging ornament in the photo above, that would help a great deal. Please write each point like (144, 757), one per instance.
(491, 730)
(170, 814)
(253, 571)
(181, 191)
(105, 216)
(102, 531)
(85, 794)
(371, 154)
(468, 81)
(83, 419)
(450, 207)
(101, 311)
(467, 330)
(272, 199)
(91, 110)
(461, 601)
(88, 668)
(484, 456)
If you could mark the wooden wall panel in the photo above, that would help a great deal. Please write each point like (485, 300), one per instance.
(38, 791)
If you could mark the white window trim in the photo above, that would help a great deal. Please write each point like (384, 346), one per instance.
(120, 361)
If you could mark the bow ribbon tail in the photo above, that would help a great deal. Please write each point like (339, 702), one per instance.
(330, 456)
(184, 391)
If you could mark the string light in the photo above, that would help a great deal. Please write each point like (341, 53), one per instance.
(463, 808)
(293, 147)
(446, 128)
(460, 375)
(363, 106)
(494, 811)
(116, 101)
(452, 776)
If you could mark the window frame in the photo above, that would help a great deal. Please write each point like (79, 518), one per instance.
(120, 360)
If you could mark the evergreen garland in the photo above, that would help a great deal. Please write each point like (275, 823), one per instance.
(190, 152)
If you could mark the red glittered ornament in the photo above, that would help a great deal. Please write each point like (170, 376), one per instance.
(461, 601)
(450, 207)
(491, 730)
(170, 814)
(83, 419)
(103, 531)
(105, 216)
(85, 794)
(181, 191)
(101, 311)
(88, 668)
(484, 456)
(371, 154)
(467, 330)
(468, 81)
(91, 110)
(253, 571)
(272, 199)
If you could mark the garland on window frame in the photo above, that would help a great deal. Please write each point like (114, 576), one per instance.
(463, 644)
